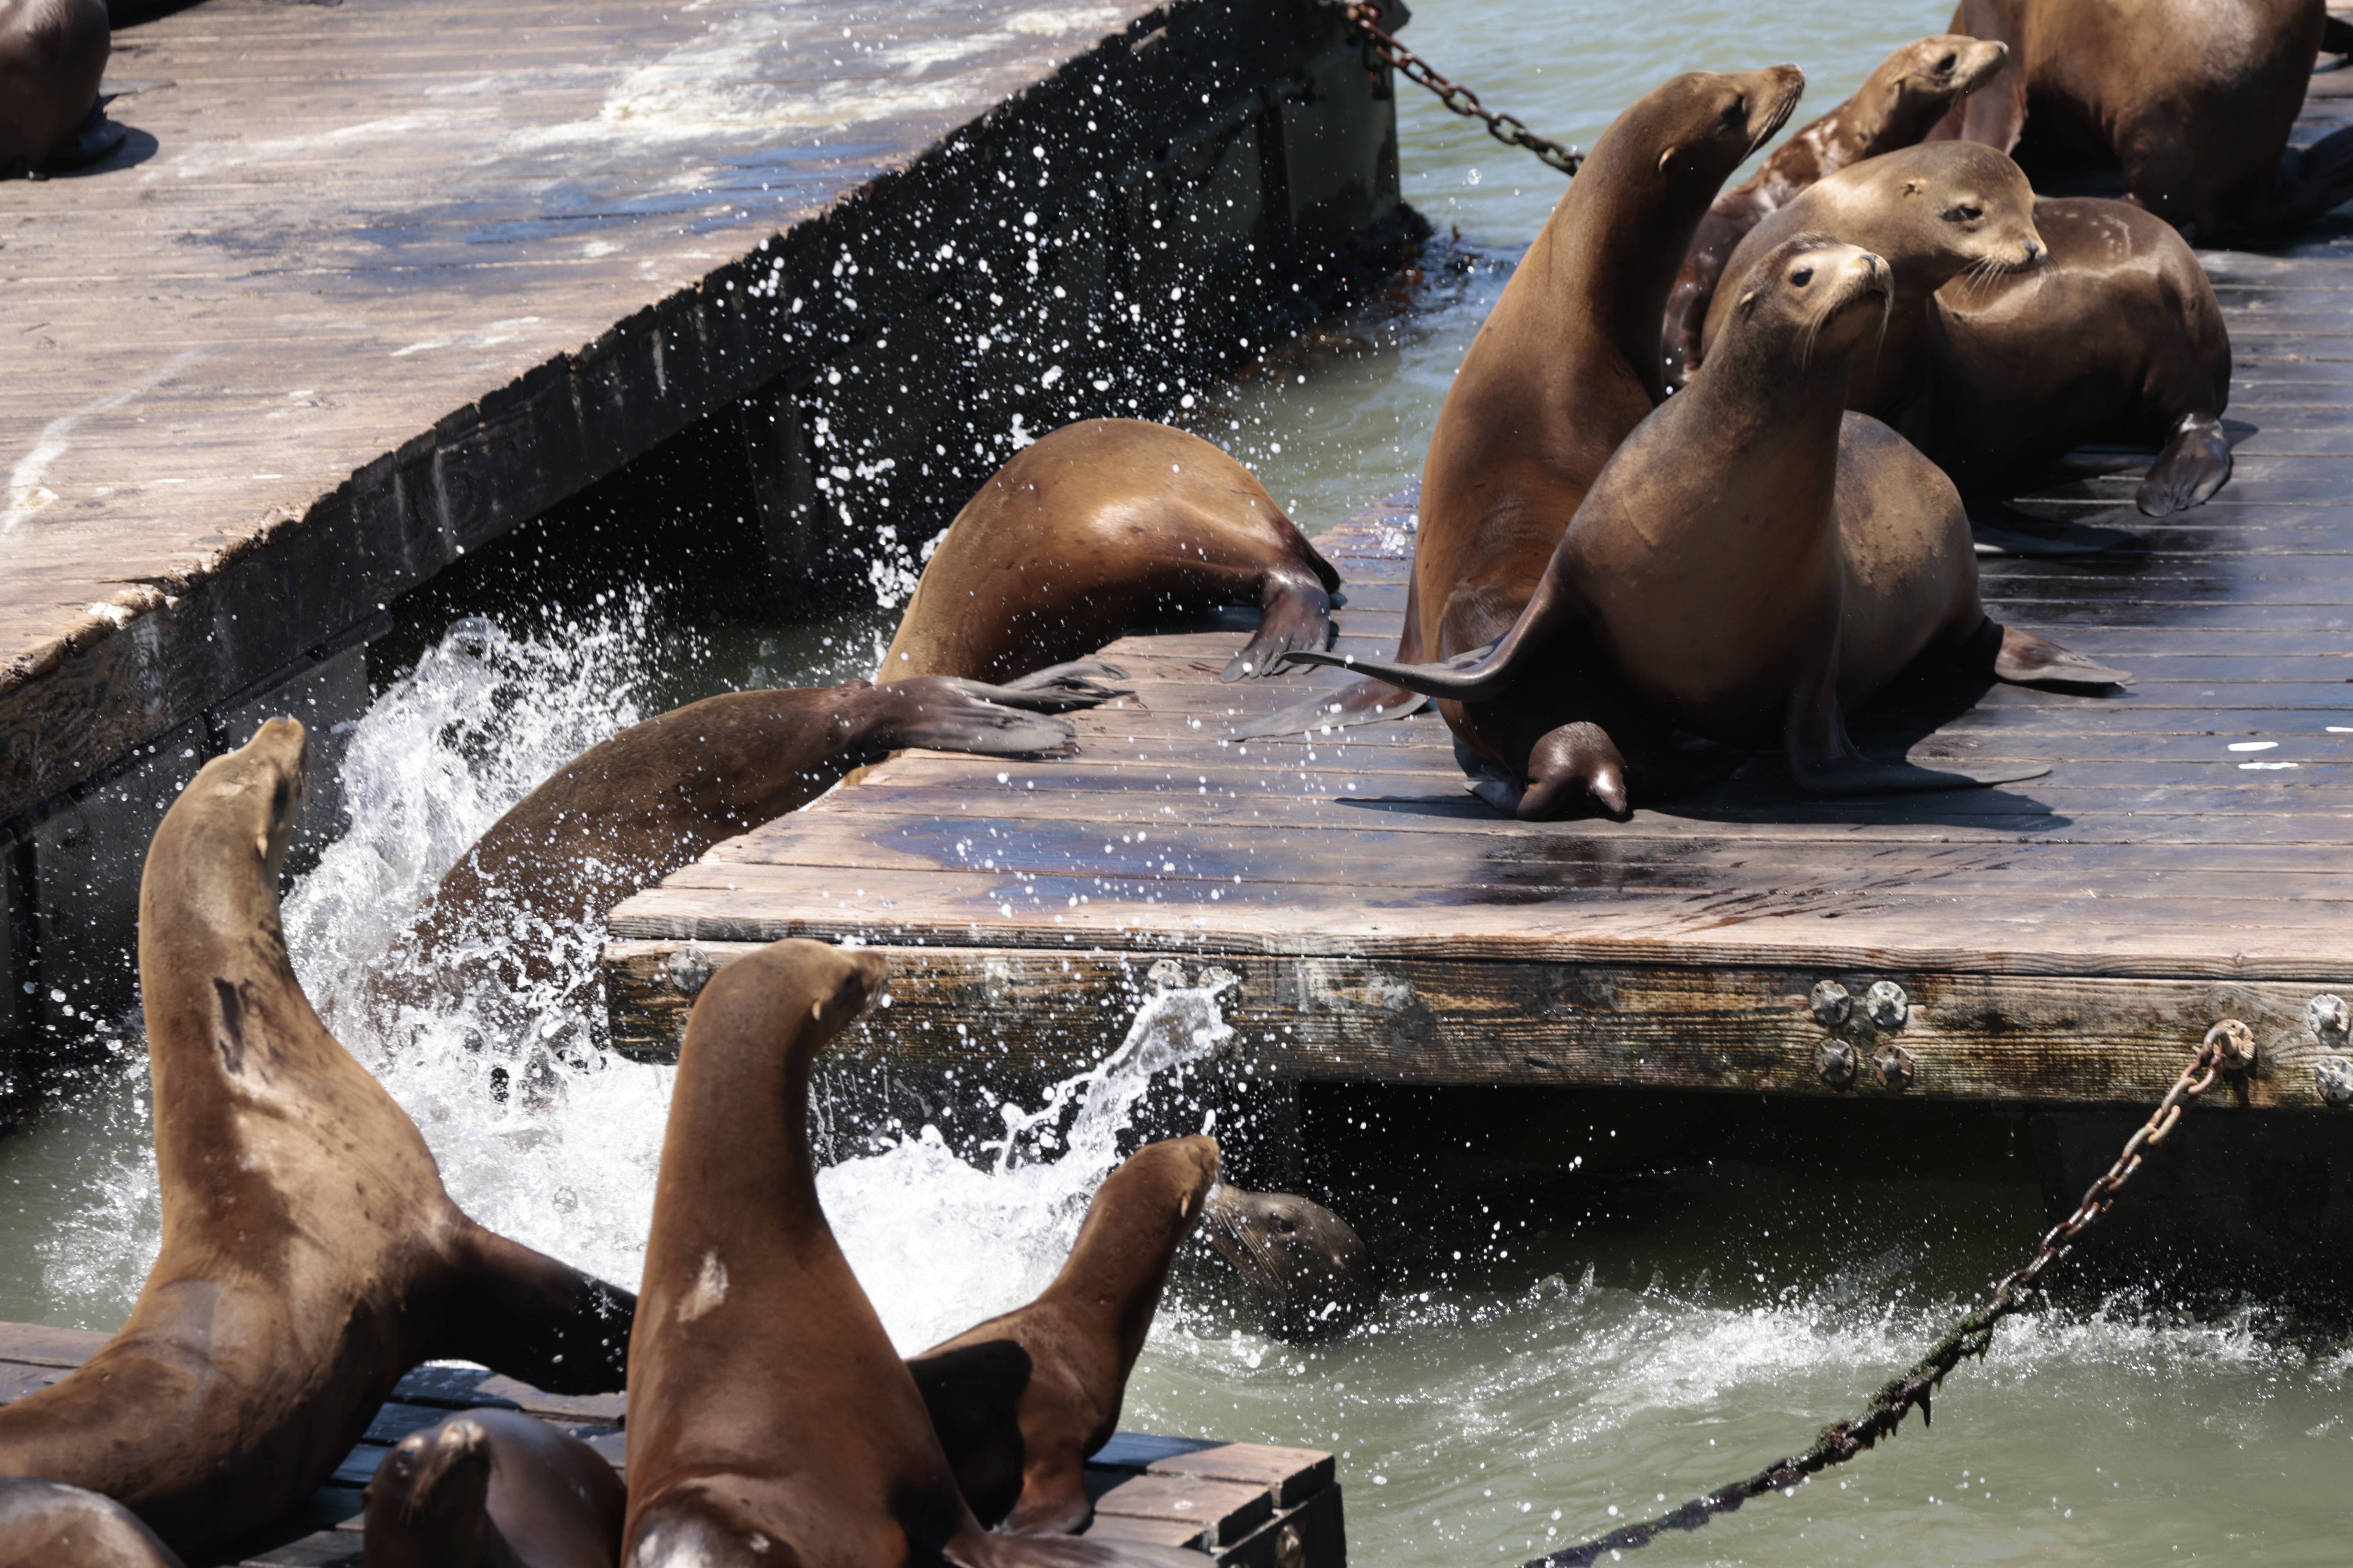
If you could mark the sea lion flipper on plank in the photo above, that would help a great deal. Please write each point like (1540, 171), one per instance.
(1079, 1339)
(47, 1524)
(770, 1420)
(2193, 464)
(310, 1256)
(493, 1489)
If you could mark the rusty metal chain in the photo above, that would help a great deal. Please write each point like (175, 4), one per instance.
(2230, 1046)
(1365, 16)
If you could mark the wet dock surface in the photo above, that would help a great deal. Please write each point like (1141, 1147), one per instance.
(1241, 1505)
(2069, 939)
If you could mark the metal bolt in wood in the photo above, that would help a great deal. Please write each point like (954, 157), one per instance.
(688, 970)
(1887, 1004)
(2326, 1016)
(2334, 1075)
(1832, 1003)
(1893, 1065)
(1834, 1063)
(2234, 1045)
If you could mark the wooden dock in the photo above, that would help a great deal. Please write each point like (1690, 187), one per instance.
(1241, 1505)
(2066, 940)
(371, 283)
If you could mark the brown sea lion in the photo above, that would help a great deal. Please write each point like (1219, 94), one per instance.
(1752, 562)
(1932, 213)
(1312, 1273)
(2021, 330)
(494, 1488)
(1101, 529)
(1081, 1336)
(2194, 99)
(310, 1254)
(770, 1421)
(631, 809)
(47, 1524)
(1565, 366)
(1896, 105)
(52, 56)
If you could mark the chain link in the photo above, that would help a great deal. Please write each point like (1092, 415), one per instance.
(2229, 1046)
(1365, 16)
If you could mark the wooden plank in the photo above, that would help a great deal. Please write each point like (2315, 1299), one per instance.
(1220, 1512)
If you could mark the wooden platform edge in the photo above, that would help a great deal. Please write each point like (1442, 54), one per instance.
(1749, 1029)
(1241, 1505)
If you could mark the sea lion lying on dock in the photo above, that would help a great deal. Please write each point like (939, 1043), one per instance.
(1564, 368)
(1022, 1460)
(1311, 1272)
(1897, 104)
(47, 1524)
(52, 56)
(494, 1488)
(1101, 529)
(770, 1421)
(310, 1254)
(632, 808)
(2020, 329)
(2194, 99)
(1752, 562)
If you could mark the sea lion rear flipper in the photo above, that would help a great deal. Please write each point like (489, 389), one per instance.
(2195, 464)
(522, 1313)
(1358, 702)
(2024, 659)
(1295, 612)
(974, 1393)
(1082, 683)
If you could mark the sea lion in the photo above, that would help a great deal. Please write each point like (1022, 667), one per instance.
(1311, 1272)
(1932, 213)
(52, 56)
(1896, 105)
(2194, 99)
(1563, 369)
(1082, 1337)
(1752, 563)
(1101, 529)
(47, 1524)
(2021, 330)
(494, 1488)
(631, 809)
(310, 1254)
(770, 1420)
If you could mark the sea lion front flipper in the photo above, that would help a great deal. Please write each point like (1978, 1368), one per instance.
(1358, 702)
(2194, 465)
(1825, 760)
(1996, 528)
(974, 1393)
(2336, 36)
(949, 714)
(2024, 659)
(1295, 613)
(522, 1313)
(1465, 678)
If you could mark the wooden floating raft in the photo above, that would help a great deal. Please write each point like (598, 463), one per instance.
(1241, 1505)
(2065, 941)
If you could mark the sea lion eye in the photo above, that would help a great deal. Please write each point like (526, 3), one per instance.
(1965, 213)
(1736, 113)
(1948, 62)
(1803, 275)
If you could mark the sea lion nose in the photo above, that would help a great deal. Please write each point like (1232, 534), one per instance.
(2033, 251)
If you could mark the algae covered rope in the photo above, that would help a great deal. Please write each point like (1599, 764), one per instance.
(2229, 1046)
(1365, 16)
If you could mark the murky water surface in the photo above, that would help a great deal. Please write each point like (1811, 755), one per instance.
(1550, 1360)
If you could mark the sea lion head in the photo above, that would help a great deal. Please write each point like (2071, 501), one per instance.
(812, 989)
(1928, 75)
(250, 796)
(1310, 1270)
(1706, 122)
(428, 1501)
(1971, 208)
(1812, 294)
(1185, 1168)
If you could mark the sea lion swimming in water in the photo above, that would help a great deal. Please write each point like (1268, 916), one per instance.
(310, 1254)
(1101, 529)
(634, 807)
(1023, 1460)
(52, 58)
(1312, 1273)
(2021, 330)
(770, 1421)
(1896, 105)
(493, 1489)
(1563, 369)
(47, 1524)
(1752, 564)
(2194, 99)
